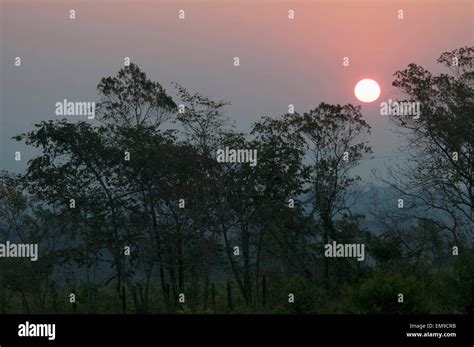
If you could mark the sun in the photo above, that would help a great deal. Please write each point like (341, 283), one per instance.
(367, 90)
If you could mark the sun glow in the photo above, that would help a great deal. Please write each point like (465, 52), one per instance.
(367, 90)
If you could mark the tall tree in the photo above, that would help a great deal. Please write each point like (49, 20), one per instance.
(335, 138)
(439, 174)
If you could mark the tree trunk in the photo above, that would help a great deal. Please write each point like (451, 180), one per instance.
(247, 274)
(230, 304)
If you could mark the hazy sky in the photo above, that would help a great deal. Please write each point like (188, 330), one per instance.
(282, 61)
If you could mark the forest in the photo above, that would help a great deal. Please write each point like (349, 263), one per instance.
(134, 213)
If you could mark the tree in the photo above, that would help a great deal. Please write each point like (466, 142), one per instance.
(335, 140)
(438, 176)
(204, 124)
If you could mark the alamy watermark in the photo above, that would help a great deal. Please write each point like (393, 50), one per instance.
(400, 108)
(13, 250)
(345, 250)
(28, 329)
(70, 108)
(230, 155)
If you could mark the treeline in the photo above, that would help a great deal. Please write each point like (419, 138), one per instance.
(133, 211)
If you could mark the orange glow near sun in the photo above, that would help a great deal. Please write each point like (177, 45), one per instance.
(367, 90)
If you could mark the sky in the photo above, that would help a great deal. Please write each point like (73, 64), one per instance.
(282, 61)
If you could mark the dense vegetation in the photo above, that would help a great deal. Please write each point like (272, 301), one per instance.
(133, 210)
